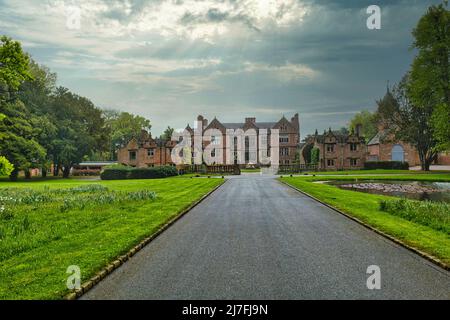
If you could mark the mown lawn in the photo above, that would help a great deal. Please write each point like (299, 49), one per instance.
(40, 240)
(366, 207)
(376, 172)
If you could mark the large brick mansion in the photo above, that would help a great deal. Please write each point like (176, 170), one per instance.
(145, 151)
(337, 150)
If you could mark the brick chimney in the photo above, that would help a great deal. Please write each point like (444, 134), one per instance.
(250, 120)
(204, 121)
(295, 121)
(358, 130)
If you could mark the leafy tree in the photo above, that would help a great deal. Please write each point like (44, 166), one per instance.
(167, 135)
(123, 126)
(13, 65)
(36, 95)
(17, 138)
(6, 167)
(315, 156)
(81, 130)
(405, 121)
(17, 135)
(368, 121)
(429, 85)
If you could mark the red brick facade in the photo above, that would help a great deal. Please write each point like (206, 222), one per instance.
(382, 148)
(338, 151)
(146, 151)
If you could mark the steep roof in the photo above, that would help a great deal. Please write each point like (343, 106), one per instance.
(377, 138)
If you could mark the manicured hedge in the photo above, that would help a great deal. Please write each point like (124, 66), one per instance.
(153, 173)
(123, 172)
(395, 165)
(118, 173)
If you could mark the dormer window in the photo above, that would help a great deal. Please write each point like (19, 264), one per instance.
(132, 155)
(353, 146)
(330, 147)
(151, 152)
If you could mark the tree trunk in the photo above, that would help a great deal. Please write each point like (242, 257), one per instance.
(44, 172)
(66, 172)
(14, 175)
(27, 174)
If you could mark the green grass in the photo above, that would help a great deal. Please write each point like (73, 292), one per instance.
(428, 213)
(366, 207)
(42, 236)
(436, 177)
(377, 171)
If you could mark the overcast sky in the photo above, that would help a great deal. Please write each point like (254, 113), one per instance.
(172, 60)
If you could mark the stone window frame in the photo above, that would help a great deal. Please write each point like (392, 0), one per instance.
(284, 152)
(284, 138)
(353, 146)
(330, 147)
(132, 152)
(151, 152)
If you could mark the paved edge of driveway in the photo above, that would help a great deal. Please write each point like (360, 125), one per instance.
(425, 255)
(89, 284)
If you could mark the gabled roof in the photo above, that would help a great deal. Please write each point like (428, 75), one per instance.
(377, 138)
(240, 125)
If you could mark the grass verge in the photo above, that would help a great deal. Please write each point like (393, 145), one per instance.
(49, 237)
(376, 172)
(366, 208)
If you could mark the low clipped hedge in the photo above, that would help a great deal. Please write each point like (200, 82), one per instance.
(394, 165)
(123, 173)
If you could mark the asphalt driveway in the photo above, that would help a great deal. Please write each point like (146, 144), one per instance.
(255, 238)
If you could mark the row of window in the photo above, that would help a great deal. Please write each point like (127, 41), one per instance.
(283, 139)
(133, 154)
(332, 163)
(151, 153)
(353, 147)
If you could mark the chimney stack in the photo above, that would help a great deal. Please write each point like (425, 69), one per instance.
(295, 121)
(359, 129)
(250, 120)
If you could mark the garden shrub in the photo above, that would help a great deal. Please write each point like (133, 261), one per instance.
(153, 173)
(117, 173)
(5, 167)
(121, 173)
(393, 165)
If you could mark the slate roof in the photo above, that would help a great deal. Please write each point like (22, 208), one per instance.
(376, 139)
(259, 125)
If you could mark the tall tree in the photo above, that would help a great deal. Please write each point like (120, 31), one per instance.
(13, 65)
(429, 86)
(368, 122)
(81, 129)
(36, 95)
(17, 136)
(404, 121)
(123, 126)
(167, 135)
